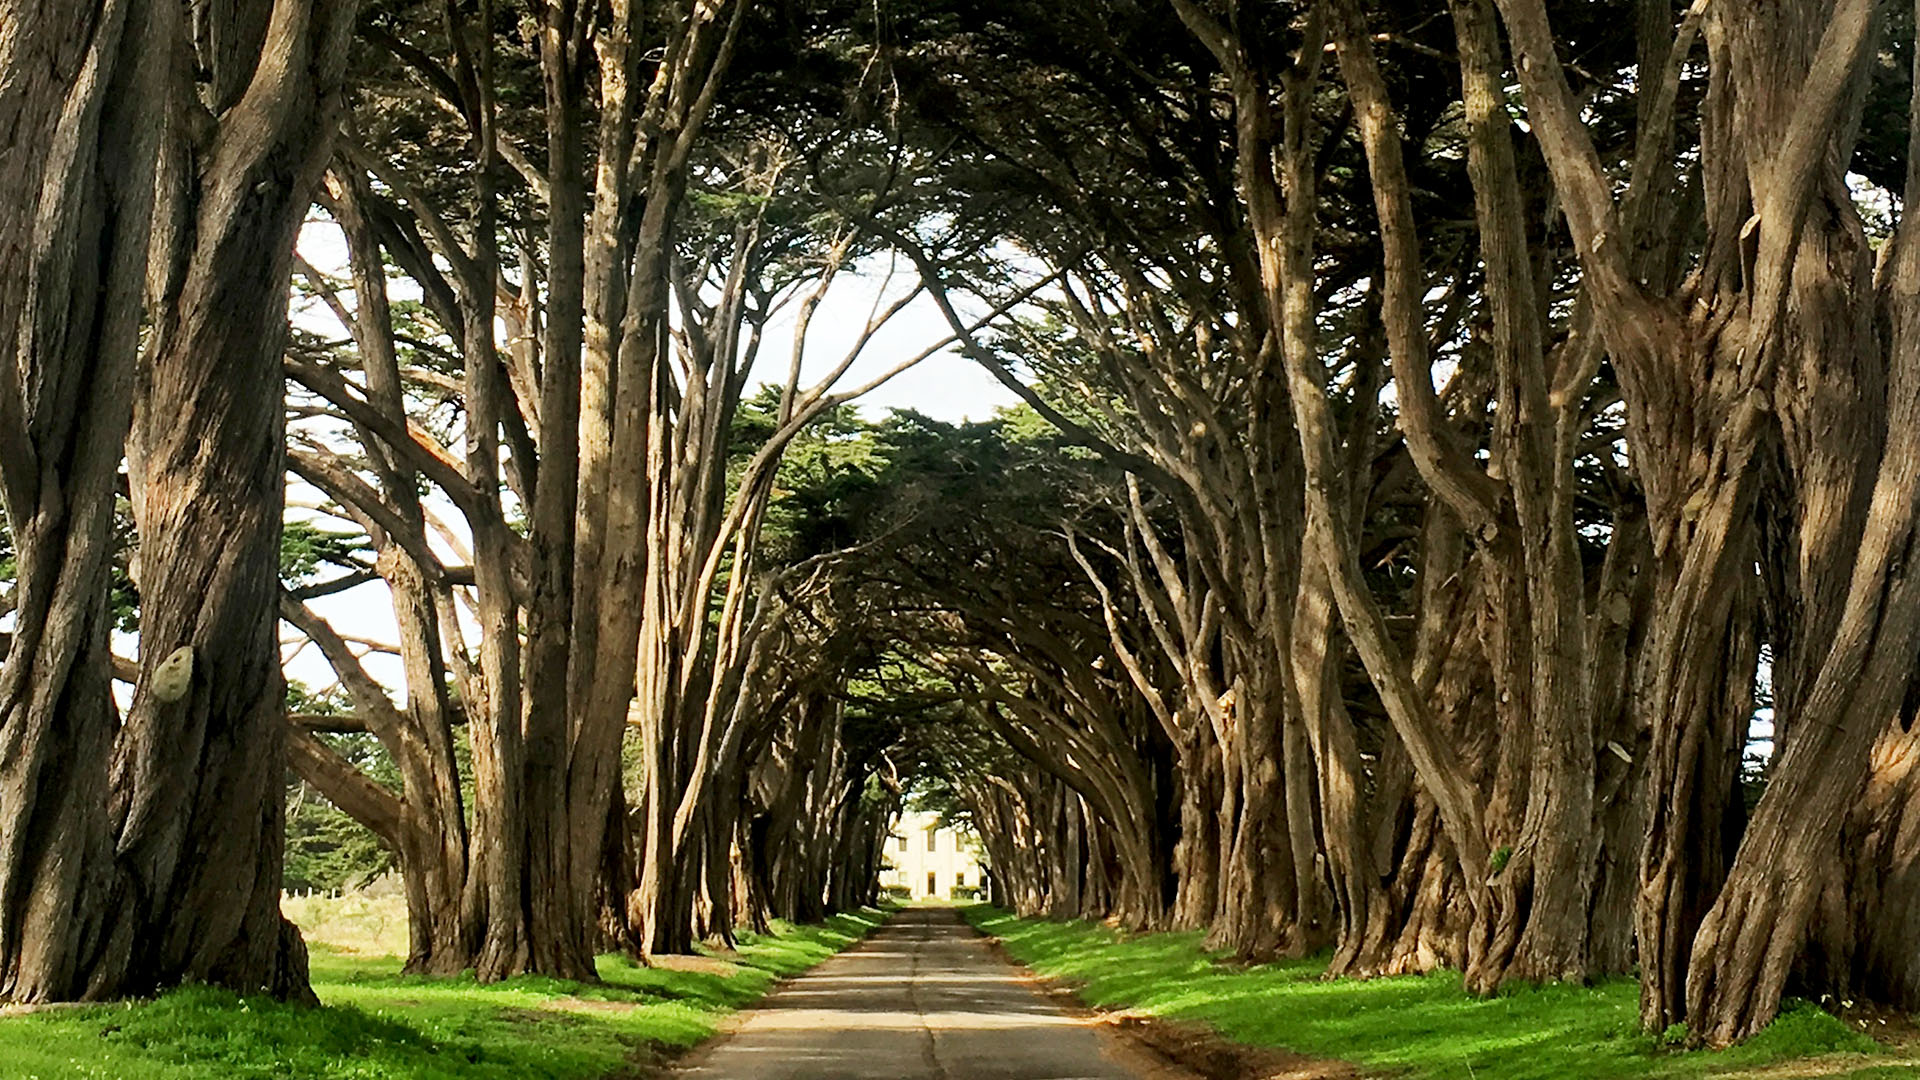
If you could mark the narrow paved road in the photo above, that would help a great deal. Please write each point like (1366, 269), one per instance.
(924, 998)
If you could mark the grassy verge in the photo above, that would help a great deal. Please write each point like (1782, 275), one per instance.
(377, 1024)
(1421, 1027)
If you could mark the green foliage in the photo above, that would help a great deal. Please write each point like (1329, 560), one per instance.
(306, 547)
(826, 475)
(1501, 855)
(8, 568)
(1804, 1029)
(1881, 154)
(725, 204)
(377, 1024)
(327, 851)
(302, 699)
(125, 597)
(1417, 1027)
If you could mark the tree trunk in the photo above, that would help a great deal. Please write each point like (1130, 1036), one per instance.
(1618, 623)
(198, 775)
(1886, 873)
(1747, 944)
(547, 824)
(1773, 322)
(425, 828)
(79, 90)
(1196, 859)
(431, 842)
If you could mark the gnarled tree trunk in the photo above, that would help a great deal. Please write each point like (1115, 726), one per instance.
(177, 876)
(198, 775)
(79, 132)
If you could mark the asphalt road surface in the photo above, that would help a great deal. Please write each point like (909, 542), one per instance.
(923, 998)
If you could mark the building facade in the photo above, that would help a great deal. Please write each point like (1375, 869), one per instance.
(930, 860)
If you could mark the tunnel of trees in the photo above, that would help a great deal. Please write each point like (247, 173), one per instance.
(1459, 514)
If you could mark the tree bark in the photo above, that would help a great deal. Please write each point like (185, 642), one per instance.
(197, 776)
(1783, 267)
(79, 136)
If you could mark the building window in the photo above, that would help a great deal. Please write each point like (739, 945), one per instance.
(933, 884)
(931, 834)
(960, 880)
(903, 843)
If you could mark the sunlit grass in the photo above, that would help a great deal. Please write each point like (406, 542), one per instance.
(377, 1024)
(1418, 1027)
(358, 922)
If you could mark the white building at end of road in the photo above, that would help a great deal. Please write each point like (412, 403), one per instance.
(930, 859)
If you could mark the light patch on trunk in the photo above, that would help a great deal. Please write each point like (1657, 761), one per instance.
(174, 675)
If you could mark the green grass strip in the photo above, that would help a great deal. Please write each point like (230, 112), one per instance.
(1420, 1027)
(377, 1024)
